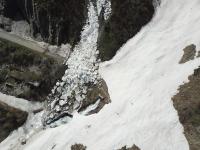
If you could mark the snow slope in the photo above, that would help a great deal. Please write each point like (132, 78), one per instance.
(21, 41)
(20, 103)
(141, 78)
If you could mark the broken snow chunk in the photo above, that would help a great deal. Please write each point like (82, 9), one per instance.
(51, 115)
(62, 102)
(59, 89)
(62, 83)
(53, 103)
(58, 108)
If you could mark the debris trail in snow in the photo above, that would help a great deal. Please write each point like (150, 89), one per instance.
(68, 95)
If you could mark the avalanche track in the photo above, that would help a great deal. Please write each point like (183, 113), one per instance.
(142, 78)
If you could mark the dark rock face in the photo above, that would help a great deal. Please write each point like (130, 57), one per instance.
(127, 18)
(10, 119)
(57, 21)
(187, 103)
(61, 21)
(198, 54)
(12, 10)
(95, 93)
(27, 74)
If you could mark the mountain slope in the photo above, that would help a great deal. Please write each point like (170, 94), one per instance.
(142, 78)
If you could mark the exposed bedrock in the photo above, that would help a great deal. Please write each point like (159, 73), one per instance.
(187, 103)
(127, 18)
(56, 21)
(189, 54)
(27, 74)
(78, 147)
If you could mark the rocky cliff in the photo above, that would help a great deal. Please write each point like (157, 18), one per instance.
(10, 119)
(126, 20)
(58, 21)
(55, 21)
(27, 74)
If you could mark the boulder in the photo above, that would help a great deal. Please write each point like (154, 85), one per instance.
(95, 93)
(78, 147)
(189, 53)
(10, 119)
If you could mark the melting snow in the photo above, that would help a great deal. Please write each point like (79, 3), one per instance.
(141, 78)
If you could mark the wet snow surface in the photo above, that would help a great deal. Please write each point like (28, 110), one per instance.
(141, 78)
(20, 103)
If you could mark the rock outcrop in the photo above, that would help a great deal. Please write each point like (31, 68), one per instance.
(55, 21)
(10, 119)
(27, 74)
(189, 53)
(127, 18)
(58, 21)
(187, 103)
(198, 54)
(78, 147)
(96, 93)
